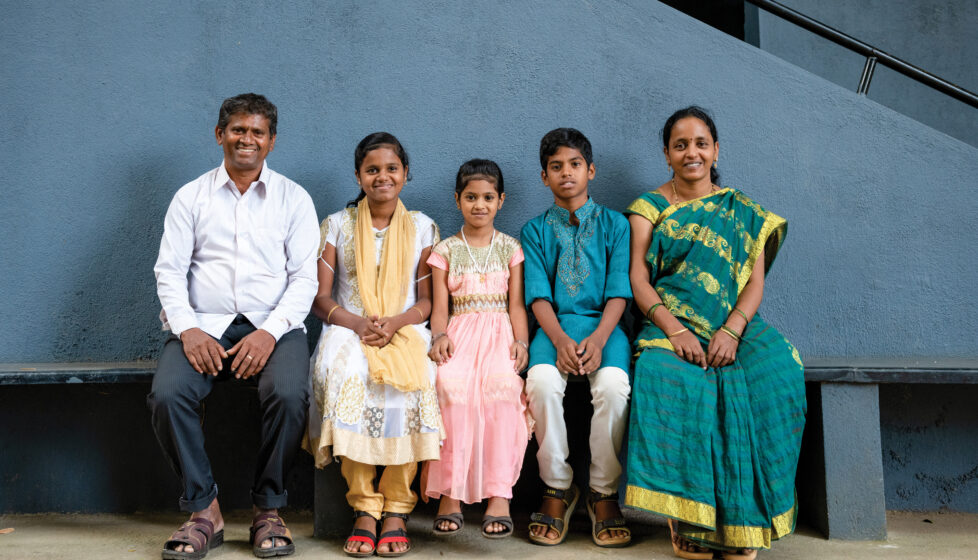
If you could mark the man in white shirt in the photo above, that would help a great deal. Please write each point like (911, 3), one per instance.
(236, 276)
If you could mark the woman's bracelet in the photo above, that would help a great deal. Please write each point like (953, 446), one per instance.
(680, 331)
(420, 314)
(330, 314)
(742, 314)
(437, 336)
(651, 312)
(523, 344)
(731, 332)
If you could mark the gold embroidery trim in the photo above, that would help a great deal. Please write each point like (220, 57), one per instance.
(477, 303)
(673, 207)
(663, 343)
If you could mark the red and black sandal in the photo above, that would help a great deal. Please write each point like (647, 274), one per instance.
(397, 535)
(362, 536)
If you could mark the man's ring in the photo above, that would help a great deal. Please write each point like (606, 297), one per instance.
(249, 357)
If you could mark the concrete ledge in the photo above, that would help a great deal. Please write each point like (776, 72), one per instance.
(76, 372)
(892, 370)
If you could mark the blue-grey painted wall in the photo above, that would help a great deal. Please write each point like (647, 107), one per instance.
(109, 107)
(935, 35)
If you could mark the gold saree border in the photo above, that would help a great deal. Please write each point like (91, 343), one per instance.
(774, 225)
(683, 509)
(704, 515)
(644, 208)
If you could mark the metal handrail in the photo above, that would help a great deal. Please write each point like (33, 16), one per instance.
(872, 54)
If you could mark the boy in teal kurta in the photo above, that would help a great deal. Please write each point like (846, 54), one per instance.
(577, 286)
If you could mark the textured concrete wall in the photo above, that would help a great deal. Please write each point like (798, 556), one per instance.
(933, 35)
(109, 107)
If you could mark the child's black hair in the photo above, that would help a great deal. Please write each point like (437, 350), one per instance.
(701, 114)
(475, 169)
(370, 143)
(570, 137)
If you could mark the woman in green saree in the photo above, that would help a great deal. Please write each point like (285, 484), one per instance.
(718, 396)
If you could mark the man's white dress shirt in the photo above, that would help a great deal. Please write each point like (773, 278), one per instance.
(225, 253)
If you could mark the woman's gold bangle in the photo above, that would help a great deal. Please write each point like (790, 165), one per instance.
(330, 314)
(420, 314)
(742, 314)
(731, 332)
(680, 331)
(651, 312)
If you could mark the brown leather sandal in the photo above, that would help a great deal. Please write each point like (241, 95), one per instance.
(198, 533)
(267, 526)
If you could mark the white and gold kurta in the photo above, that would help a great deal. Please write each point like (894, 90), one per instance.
(349, 415)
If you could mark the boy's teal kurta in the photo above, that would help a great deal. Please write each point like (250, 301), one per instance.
(578, 268)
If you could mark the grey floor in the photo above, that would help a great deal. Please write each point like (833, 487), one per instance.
(56, 536)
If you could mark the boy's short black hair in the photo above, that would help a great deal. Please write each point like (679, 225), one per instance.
(570, 137)
(250, 104)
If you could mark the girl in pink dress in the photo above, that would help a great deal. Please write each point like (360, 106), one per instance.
(479, 329)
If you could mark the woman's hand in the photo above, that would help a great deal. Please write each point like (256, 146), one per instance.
(519, 355)
(688, 347)
(369, 332)
(441, 349)
(722, 349)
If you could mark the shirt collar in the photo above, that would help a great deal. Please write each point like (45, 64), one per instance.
(224, 179)
(582, 213)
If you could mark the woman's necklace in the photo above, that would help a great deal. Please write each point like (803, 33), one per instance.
(675, 195)
(485, 267)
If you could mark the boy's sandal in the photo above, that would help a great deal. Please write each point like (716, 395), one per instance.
(361, 536)
(198, 533)
(504, 520)
(454, 517)
(538, 519)
(608, 525)
(397, 535)
(739, 554)
(270, 526)
(678, 540)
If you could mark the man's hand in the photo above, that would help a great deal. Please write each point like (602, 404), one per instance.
(251, 353)
(202, 351)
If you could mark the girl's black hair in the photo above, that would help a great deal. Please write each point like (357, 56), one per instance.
(701, 114)
(370, 143)
(479, 169)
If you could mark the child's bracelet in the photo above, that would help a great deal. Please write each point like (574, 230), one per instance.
(437, 336)
(420, 314)
(731, 332)
(523, 344)
(330, 314)
(651, 312)
(680, 331)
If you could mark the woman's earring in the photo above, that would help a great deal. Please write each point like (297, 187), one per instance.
(714, 164)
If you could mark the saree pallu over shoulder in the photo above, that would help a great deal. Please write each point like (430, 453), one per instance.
(715, 449)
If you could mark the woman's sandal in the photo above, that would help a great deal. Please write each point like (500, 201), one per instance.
(608, 525)
(538, 519)
(454, 517)
(677, 540)
(362, 536)
(269, 526)
(505, 520)
(198, 533)
(738, 555)
(397, 535)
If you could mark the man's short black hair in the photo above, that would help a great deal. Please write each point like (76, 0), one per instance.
(249, 104)
(570, 137)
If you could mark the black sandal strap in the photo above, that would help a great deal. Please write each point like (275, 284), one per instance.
(550, 522)
(386, 514)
